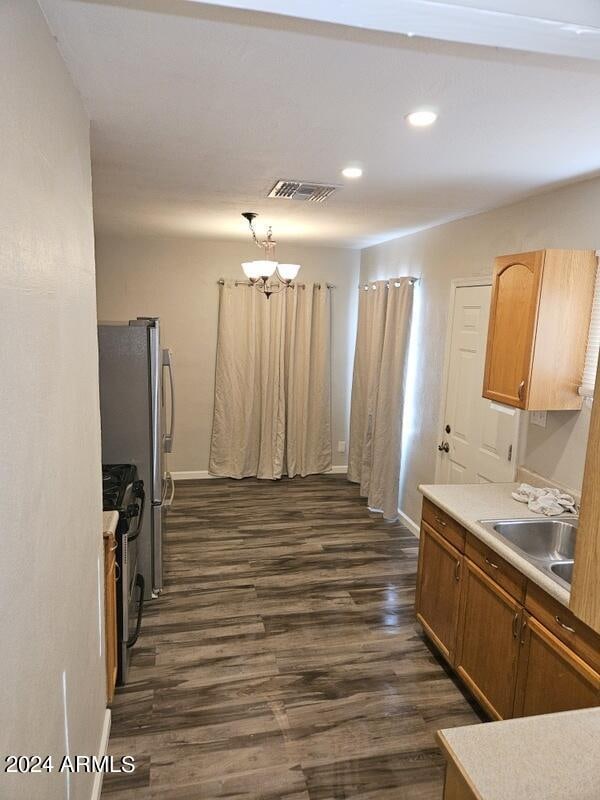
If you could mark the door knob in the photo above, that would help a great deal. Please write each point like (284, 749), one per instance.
(444, 447)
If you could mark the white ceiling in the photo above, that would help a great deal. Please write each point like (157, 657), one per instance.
(197, 110)
(541, 26)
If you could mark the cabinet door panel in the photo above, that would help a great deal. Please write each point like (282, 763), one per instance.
(511, 333)
(110, 615)
(439, 590)
(551, 677)
(488, 639)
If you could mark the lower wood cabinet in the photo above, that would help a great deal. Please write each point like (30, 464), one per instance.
(110, 614)
(455, 784)
(551, 676)
(478, 615)
(439, 590)
(488, 648)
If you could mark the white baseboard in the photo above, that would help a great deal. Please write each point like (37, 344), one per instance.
(98, 777)
(410, 523)
(204, 474)
(193, 475)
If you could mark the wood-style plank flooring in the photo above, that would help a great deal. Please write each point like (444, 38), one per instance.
(283, 659)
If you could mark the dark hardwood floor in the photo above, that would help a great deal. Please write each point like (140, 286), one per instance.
(283, 659)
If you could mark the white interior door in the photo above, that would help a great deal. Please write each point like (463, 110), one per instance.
(478, 440)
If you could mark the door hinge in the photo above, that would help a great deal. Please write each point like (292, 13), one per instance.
(510, 452)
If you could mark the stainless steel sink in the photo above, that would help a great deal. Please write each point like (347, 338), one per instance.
(564, 571)
(552, 539)
(547, 543)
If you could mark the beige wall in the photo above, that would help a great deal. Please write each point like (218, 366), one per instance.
(176, 280)
(568, 217)
(52, 680)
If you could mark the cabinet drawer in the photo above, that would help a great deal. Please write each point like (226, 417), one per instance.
(444, 524)
(564, 625)
(505, 575)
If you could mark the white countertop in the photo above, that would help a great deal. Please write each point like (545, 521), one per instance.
(109, 521)
(471, 502)
(549, 757)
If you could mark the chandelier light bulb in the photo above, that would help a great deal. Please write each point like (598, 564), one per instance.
(287, 272)
(251, 270)
(266, 268)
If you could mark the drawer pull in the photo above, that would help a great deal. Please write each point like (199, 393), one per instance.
(440, 521)
(457, 571)
(491, 564)
(562, 625)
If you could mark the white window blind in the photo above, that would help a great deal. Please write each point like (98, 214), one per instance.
(593, 344)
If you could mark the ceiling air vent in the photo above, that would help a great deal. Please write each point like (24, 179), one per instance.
(301, 190)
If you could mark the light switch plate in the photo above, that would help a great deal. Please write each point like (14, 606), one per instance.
(539, 418)
(341, 447)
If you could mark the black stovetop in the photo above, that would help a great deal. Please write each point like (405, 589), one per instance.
(115, 480)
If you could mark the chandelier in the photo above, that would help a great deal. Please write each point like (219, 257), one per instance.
(266, 274)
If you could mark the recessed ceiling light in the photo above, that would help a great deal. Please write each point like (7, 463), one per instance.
(352, 172)
(421, 119)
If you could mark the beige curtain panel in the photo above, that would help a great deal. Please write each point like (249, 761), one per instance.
(272, 413)
(378, 389)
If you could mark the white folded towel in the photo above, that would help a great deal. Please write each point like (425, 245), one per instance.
(550, 502)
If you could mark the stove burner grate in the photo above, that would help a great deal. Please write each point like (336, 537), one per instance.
(115, 480)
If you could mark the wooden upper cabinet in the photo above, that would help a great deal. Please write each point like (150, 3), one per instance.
(539, 318)
(511, 330)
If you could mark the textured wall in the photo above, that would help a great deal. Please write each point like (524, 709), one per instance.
(52, 692)
(176, 279)
(566, 217)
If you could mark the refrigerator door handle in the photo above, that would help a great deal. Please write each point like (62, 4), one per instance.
(169, 502)
(167, 361)
(156, 416)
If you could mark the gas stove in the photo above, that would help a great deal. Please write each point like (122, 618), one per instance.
(124, 493)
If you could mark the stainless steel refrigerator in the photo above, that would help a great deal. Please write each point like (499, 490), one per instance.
(136, 375)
